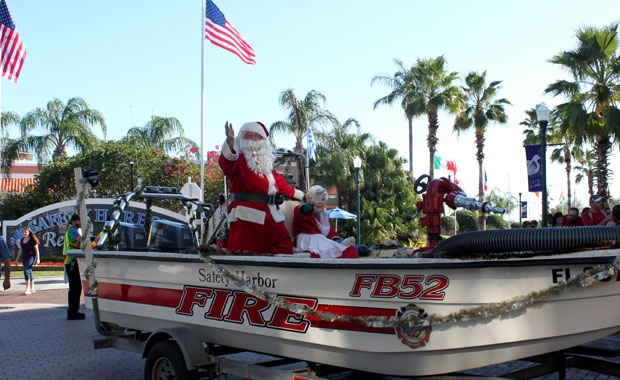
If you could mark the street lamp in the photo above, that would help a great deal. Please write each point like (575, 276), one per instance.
(520, 211)
(357, 164)
(542, 114)
(131, 164)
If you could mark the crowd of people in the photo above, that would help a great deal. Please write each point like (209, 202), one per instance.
(595, 215)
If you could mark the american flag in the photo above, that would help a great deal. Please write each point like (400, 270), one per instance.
(221, 33)
(12, 50)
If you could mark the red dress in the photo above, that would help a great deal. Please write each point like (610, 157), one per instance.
(255, 227)
(313, 233)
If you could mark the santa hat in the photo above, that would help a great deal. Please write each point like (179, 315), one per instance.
(256, 127)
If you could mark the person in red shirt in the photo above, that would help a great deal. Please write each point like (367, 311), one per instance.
(256, 224)
(314, 234)
(596, 216)
(572, 219)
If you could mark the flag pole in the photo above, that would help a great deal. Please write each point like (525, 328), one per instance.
(202, 100)
(307, 155)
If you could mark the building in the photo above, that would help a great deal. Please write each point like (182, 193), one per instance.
(23, 173)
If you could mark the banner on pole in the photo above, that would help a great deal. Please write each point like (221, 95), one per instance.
(524, 209)
(534, 172)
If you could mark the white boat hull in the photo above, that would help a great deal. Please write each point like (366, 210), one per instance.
(150, 291)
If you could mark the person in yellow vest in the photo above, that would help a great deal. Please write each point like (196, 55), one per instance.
(73, 239)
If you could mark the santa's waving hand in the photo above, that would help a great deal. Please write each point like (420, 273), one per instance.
(255, 221)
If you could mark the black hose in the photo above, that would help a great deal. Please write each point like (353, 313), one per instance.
(535, 240)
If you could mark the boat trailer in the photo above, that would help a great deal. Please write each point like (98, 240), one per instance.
(178, 349)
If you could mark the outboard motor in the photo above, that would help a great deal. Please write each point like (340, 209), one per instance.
(133, 237)
(170, 236)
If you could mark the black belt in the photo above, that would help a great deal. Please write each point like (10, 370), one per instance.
(272, 199)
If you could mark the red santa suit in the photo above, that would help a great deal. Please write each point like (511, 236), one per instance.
(254, 226)
(314, 234)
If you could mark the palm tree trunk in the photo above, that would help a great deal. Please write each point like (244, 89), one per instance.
(602, 147)
(410, 119)
(480, 157)
(432, 140)
(568, 187)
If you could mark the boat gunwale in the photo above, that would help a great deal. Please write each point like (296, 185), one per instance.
(363, 263)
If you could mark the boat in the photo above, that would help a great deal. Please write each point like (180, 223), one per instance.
(432, 312)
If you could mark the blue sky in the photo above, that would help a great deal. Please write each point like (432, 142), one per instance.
(134, 59)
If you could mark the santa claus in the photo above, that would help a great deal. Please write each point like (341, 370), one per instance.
(312, 230)
(255, 221)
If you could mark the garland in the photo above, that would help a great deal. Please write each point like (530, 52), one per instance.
(491, 310)
(88, 229)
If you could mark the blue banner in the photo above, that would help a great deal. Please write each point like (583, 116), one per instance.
(534, 172)
(524, 209)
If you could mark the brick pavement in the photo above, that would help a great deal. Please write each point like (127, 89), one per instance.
(37, 341)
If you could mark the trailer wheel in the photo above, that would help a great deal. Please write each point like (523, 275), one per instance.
(165, 362)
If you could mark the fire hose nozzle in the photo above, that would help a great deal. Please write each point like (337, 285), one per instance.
(488, 208)
(467, 203)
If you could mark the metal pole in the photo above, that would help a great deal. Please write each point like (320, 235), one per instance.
(543, 157)
(520, 211)
(357, 183)
(131, 163)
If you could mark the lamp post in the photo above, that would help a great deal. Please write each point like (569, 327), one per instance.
(357, 164)
(520, 211)
(542, 113)
(131, 164)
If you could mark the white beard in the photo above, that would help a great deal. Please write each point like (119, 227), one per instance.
(258, 155)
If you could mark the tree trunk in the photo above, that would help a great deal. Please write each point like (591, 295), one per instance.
(568, 186)
(432, 140)
(480, 157)
(602, 148)
(410, 119)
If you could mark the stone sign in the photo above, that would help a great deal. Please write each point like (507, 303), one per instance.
(50, 223)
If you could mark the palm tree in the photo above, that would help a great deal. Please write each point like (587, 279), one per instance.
(301, 112)
(165, 133)
(591, 112)
(63, 125)
(480, 107)
(337, 149)
(8, 146)
(431, 89)
(400, 84)
(585, 168)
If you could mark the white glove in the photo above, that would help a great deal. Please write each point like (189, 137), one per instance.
(348, 241)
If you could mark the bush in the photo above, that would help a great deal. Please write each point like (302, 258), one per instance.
(467, 220)
(496, 222)
(447, 223)
(515, 225)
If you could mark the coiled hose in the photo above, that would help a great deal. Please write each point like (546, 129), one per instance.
(536, 240)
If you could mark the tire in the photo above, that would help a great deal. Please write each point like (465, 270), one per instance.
(165, 362)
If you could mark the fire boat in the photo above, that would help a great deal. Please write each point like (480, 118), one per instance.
(468, 301)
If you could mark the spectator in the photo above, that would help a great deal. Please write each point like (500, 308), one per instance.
(5, 257)
(584, 210)
(29, 253)
(572, 219)
(534, 224)
(615, 216)
(596, 216)
(73, 238)
(557, 220)
(526, 224)
(550, 220)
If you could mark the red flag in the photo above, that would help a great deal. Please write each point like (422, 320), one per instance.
(221, 33)
(12, 50)
(452, 166)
